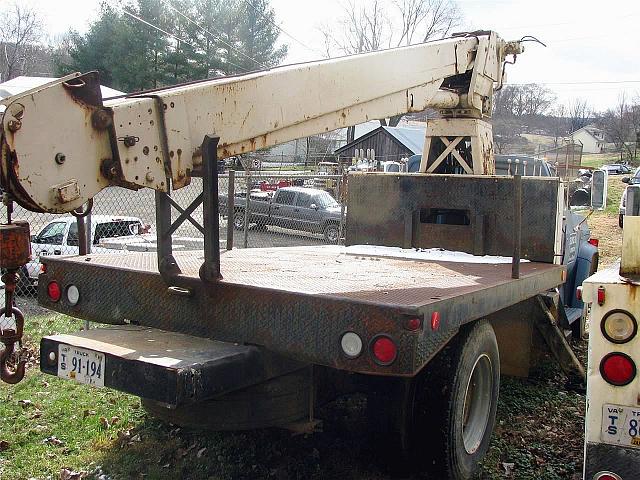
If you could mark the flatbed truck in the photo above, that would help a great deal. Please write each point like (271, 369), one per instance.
(261, 337)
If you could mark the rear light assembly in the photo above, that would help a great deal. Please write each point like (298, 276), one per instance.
(384, 350)
(54, 292)
(594, 241)
(579, 293)
(618, 369)
(619, 326)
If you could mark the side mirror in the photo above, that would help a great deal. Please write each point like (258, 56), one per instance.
(626, 180)
(599, 189)
(314, 206)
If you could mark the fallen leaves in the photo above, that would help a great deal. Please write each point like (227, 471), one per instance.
(25, 403)
(53, 440)
(68, 474)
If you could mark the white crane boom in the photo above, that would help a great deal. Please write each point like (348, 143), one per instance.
(61, 144)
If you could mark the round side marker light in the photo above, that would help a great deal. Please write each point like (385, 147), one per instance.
(351, 344)
(73, 295)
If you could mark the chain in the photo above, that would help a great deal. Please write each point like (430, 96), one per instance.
(9, 336)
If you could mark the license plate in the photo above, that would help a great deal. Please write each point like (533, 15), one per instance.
(621, 425)
(80, 365)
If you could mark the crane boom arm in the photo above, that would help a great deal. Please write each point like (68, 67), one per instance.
(61, 144)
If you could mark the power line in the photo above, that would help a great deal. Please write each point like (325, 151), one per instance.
(217, 38)
(177, 38)
(576, 83)
(282, 29)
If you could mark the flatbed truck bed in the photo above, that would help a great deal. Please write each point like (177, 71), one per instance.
(299, 301)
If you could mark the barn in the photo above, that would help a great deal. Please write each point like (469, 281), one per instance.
(388, 143)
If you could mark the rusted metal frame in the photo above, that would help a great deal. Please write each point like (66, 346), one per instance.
(304, 327)
(517, 226)
(457, 156)
(553, 336)
(167, 265)
(210, 269)
(185, 214)
(461, 309)
(449, 148)
(231, 207)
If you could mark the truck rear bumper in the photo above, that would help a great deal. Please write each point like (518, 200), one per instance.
(170, 368)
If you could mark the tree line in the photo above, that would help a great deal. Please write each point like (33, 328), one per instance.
(144, 44)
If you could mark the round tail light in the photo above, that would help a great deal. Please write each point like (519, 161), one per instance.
(618, 369)
(619, 326)
(384, 350)
(606, 476)
(54, 292)
(73, 295)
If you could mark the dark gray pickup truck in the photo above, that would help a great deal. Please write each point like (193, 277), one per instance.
(298, 208)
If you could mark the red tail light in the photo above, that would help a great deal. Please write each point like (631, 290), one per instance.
(618, 369)
(579, 293)
(606, 476)
(414, 324)
(601, 296)
(594, 241)
(384, 350)
(43, 268)
(435, 321)
(54, 292)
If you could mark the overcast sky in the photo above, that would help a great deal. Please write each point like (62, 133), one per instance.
(588, 41)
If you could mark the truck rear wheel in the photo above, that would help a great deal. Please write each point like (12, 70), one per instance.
(449, 410)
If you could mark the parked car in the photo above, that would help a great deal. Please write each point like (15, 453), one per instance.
(616, 169)
(634, 180)
(60, 237)
(297, 208)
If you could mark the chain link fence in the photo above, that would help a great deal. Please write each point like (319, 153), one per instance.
(266, 210)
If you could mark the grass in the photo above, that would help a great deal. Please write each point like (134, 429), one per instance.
(51, 424)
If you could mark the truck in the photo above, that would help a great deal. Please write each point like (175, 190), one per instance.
(60, 236)
(298, 208)
(612, 425)
(441, 287)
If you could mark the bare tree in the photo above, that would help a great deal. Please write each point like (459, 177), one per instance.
(622, 125)
(523, 100)
(20, 33)
(579, 114)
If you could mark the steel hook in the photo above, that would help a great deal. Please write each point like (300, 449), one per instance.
(9, 337)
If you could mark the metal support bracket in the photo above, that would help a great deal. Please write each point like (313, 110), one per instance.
(547, 325)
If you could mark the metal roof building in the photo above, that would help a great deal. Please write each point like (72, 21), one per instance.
(388, 143)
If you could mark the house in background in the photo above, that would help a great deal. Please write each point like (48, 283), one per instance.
(591, 138)
(388, 143)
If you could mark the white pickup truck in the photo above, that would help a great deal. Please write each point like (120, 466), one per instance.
(60, 237)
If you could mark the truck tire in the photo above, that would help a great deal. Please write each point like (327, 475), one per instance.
(449, 409)
(331, 233)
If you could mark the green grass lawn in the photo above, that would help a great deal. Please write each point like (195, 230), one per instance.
(51, 424)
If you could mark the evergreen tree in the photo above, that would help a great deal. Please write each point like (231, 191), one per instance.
(186, 40)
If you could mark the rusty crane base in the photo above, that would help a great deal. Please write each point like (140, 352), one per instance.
(299, 301)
